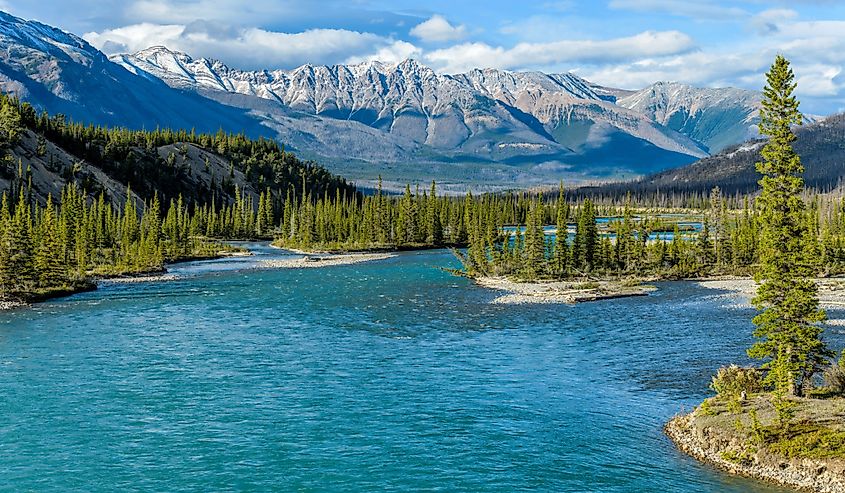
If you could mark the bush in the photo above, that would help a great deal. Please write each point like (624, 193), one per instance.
(834, 379)
(732, 381)
(808, 441)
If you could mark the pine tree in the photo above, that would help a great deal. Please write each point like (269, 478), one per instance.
(586, 236)
(10, 124)
(18, 250)
(535, 254)
(788, 324)
(49, 257)
(561, 246)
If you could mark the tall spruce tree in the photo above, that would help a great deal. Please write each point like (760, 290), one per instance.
(788, 323)
(561, 247)
(49, 257)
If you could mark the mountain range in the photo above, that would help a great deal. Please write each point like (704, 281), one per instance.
(404, 120)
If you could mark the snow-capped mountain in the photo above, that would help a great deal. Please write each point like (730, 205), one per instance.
(413, 101)
(403, 120)
(716, 118)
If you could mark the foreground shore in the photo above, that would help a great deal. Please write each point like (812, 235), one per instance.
(550, 292)
(803, 457)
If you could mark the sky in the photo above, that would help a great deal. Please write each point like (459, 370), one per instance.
(619, 43)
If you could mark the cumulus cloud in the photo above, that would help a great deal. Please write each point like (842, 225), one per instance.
(251, 48)
(186, 11)
(438, 29)
(462, 57)
(395, 52)
(766, 22)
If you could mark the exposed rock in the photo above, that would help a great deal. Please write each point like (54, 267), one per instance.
(730, 452)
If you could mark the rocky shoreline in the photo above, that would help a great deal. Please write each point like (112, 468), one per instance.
(710, 445)
(559, 292)
(12, 305)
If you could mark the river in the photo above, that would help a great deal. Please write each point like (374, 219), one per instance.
(383, 376)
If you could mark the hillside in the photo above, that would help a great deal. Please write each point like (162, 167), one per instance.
(403, 120)
(821, 146)
(48, 152)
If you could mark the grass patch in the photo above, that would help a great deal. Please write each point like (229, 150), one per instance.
(744, 457)
(806, 441)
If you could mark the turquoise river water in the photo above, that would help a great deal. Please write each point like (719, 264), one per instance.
(383, 376)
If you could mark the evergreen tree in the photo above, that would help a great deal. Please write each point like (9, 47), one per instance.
(17, 247)
(10, 124)
(49, 257)
(561, 246)
(788, 324)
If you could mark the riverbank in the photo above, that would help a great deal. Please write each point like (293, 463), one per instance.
(313, 261)
(809, 455)
(831, 292)
(91, 283)
(38, 295)
(373, 248)
(568, 292)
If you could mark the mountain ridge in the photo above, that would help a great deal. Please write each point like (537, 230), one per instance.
(402, 120)
(820, 144)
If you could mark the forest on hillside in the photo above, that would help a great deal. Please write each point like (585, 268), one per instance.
(161, 161)
(821, 146)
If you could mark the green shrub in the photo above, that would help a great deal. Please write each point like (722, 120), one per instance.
(758, 434)
(808, 441)
(732, 381)
(744, 457)
(834, 379)
(706, 409)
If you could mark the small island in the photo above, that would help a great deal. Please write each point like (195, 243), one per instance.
(549, 291)
(744, 434)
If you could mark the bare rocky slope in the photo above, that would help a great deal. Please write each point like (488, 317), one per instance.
(50, 171)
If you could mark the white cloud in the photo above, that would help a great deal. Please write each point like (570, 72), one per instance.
(766, 22)
(392, 53)
(462, 57)
(251, 48)
(438, 29)
(187, 11)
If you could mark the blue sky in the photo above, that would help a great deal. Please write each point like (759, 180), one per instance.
(620, 43)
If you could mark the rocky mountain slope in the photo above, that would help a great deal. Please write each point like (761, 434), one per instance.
(40, 154)
(62, 73)
(404, 121)
(716, 118)
(821, 146)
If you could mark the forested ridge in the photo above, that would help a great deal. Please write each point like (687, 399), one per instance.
(821, 145)
(170, 163)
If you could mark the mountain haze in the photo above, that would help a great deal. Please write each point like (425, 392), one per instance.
(821, 146)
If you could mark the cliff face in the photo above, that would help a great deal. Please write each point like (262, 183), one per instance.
(715, 438)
